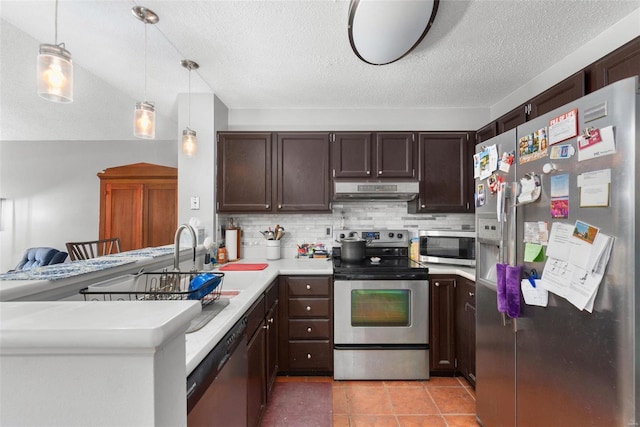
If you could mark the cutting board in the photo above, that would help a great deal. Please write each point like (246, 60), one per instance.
(243, 267)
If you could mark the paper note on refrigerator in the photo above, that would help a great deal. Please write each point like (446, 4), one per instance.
(594, 188)
(534, 296)
(599, 142)
(577, 276)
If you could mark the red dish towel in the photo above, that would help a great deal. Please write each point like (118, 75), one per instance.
(243, 267)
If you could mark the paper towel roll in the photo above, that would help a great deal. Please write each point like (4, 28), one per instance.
(231, 242)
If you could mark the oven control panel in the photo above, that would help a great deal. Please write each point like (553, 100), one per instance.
(376, 237)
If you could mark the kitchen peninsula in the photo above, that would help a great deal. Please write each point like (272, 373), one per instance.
(101, 346)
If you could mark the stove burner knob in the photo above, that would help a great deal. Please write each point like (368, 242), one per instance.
(390, 235)
(352, 234)
(399, 236)
(342, 236)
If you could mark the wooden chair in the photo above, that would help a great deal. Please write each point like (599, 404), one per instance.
(92, 249)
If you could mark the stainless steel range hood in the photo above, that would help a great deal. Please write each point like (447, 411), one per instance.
(371, 190)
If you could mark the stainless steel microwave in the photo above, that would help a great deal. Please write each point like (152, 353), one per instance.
(456, 247)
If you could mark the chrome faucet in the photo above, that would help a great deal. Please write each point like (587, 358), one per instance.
(176, 243)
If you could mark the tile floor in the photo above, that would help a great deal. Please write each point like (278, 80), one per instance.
(439, 402)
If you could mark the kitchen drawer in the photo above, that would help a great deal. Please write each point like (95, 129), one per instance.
(309, 329)
(309, 307)
(311, 356)
(255, 316)
(309, 286)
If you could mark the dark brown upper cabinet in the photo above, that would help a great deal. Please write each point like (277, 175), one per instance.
(486, 132)
(619, 64)
(352, 155)
(303, 181)
(446, 176)
(568, 90)
(273, 172)
(380, 155)
(244, 176)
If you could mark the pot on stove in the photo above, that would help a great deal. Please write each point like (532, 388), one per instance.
(353, 249)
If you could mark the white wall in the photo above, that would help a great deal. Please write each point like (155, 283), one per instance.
(196, 174)
(51, 189)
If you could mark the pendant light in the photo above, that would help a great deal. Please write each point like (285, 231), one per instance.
(55, 70)
(144, 116)
(189, 141)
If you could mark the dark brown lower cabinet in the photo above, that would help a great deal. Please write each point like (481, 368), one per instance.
(262, 353)
(452, 329)
(306, 325)
(442, 348)
(466, 329)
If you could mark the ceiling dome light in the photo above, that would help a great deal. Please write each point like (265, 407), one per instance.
(55, 70)
(144, 116)
(383, 31)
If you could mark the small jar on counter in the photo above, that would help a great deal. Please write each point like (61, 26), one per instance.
(222, 255)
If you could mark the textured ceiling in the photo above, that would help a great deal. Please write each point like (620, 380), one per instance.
(296, 54)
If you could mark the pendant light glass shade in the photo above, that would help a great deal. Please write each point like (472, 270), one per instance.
(144, 116)
(55, 73)
(55, 70)
(144, 120)
(189, 142)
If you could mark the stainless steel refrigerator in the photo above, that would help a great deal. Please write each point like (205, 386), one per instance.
(559, 365)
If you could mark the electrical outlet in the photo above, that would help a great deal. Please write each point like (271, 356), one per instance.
(327, 231)
(195, 202)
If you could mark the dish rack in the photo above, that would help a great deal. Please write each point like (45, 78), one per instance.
(166, 285)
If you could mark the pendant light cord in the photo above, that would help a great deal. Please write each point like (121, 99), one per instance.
(145, 62)
(189, 110)
(55, 38)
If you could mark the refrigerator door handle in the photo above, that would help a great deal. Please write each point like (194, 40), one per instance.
(501, 214)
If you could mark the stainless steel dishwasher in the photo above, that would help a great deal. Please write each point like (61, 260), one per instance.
(217, 387)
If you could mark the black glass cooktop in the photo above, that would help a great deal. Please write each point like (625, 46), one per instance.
(387, 264)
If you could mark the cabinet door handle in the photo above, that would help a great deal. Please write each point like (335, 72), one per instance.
(265, 327)
(379, 172)
(308, 287)
(279, 206)
(423, 206)
(437, 283)
(270, 320)
(308, 308)
(471, 294)
(368, 172)
(309, 330)
(266, 206)
(308, 355)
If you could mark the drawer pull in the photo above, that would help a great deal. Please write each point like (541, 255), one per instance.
(308, 308)
(308, 287)
(309, 330)
(270, 320)
(308, 355)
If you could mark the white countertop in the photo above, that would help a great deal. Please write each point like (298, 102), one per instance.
(91, 326)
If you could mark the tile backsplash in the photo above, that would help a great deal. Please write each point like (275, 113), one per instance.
(312, 228)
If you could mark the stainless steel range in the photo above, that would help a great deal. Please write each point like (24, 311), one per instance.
(381, 310)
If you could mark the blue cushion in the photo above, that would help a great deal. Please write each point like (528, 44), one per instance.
(36, 257)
